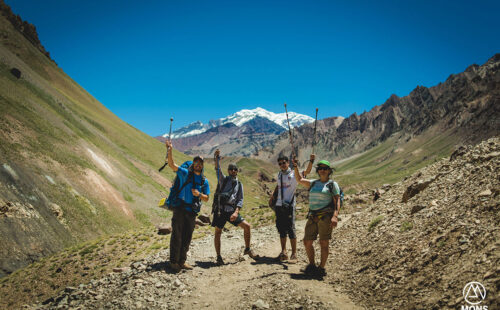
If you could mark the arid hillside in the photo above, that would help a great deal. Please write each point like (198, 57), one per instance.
(426, 237)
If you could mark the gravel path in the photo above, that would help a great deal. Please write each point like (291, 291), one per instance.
(242, 283)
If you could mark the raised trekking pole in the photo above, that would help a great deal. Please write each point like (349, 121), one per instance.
(170, 139)
(217, 159)
(290, 133)
(314, 134)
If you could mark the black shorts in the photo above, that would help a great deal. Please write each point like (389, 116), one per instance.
(220, 221)
(285, 221)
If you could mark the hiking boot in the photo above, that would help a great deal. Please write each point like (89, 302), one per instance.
(293, 259)
(250, 253)
(186, 266)
(282, 257)
(220, 261)
(175, 267)
(309, 269)
(320, 272)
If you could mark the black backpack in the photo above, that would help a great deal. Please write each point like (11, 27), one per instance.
(221, 198)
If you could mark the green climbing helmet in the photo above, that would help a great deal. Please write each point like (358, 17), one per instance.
(324, 162)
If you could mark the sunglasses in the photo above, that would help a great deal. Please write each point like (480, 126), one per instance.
(322, 168)
(281, 163)
(232, 169)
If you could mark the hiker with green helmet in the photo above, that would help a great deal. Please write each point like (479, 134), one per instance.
(324, 207)
(228, 201)
(194, 189)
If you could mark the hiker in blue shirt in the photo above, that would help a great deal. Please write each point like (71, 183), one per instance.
(194, 189)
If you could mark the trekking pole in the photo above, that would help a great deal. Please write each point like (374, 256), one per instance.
(290, 132)
(314, 135)
(218, 185)
(218, 168)
(170, 139)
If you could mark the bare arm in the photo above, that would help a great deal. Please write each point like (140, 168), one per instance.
(303, 181)
(336, 198)
(171, 163)
(197, 193)
(204, 197)
(335, 219)
(218, 170)
(309, 166)
(275, 192)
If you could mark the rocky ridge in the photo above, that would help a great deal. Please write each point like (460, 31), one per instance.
(28, 30)
(466, 103)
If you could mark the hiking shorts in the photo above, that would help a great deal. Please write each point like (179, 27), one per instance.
(220, 221)
(320, 227)
(285, 221)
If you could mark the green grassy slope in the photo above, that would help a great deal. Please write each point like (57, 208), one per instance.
(84, 172)
(394, 159)
(69, 153)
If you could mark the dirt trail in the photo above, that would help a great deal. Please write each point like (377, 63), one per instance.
(242, 283)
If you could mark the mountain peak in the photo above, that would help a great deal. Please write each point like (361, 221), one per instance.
(240, 118)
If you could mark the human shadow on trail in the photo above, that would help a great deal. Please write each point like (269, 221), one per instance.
(211, 264)
(303, 276)
(268, 261)
(163, 266)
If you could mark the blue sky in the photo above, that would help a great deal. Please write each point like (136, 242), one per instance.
(193, 60)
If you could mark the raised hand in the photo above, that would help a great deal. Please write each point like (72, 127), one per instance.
(168, 144)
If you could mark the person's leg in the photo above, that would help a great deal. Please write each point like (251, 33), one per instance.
(293, 243)
(187, 234)
(324, 252)
(292, 235)
(218, 233)
(176, 237)
(283, 245)
(310, 234)
(325, 234)
(246, 233)
(281, 225)
(308, 244)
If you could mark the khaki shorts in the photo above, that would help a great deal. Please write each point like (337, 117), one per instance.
(323, 227)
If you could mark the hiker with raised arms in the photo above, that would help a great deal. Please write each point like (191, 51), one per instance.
(324, 207)
(228, 200)
(283, 202)
(193, 189)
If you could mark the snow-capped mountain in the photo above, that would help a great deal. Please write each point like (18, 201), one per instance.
(239, 119)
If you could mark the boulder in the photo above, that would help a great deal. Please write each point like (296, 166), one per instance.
(416, 188)
(16, 72)
(416, 208)
(164, 229)
(200, 222)
(204, 218)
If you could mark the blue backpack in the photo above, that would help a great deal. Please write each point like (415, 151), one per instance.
(173, 200)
